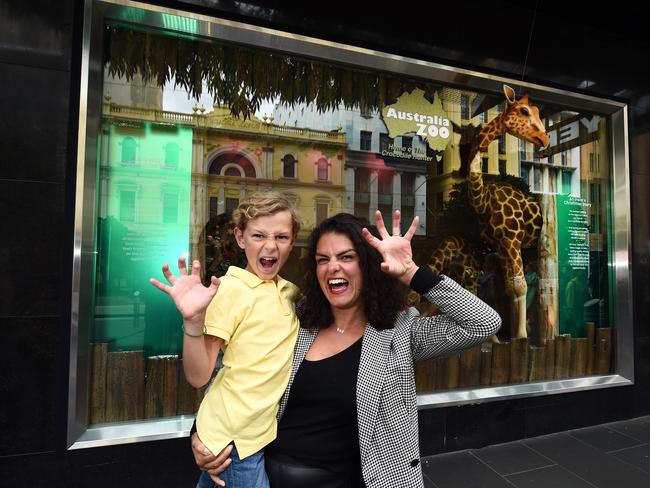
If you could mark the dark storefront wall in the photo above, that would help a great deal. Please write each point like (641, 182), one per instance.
(39, 69)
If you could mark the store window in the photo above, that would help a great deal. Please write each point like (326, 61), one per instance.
(128, 150)
(322, 169)
(365, 140)
(321, 208)
(167, 159)
(289, 166)
(464, 107)
(385, 142)
(171, 155)
(127, 206)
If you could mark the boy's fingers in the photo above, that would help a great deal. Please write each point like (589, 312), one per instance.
(214, 283)
(168, 274)
(159, 285)
(182, 267)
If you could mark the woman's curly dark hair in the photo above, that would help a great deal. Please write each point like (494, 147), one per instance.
(382, 295)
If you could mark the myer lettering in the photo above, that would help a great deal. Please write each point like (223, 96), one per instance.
(412, 113)
(571, 133)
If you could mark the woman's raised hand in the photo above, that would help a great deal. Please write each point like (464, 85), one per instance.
(190, 296)
(395, 249)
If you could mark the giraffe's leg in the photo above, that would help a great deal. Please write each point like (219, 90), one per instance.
(520, 288)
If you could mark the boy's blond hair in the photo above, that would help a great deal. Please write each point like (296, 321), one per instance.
(263, 204)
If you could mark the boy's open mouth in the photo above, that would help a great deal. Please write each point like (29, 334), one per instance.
(338, 285)
(268, 263)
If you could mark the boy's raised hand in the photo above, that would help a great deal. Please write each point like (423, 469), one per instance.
(190, 296)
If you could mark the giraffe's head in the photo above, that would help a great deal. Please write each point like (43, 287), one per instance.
(521, 119)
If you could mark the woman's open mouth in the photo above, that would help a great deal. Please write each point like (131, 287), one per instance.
(337, 285)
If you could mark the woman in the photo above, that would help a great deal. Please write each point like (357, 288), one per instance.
(360, 426)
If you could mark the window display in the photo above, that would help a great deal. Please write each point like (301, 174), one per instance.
(513, 191)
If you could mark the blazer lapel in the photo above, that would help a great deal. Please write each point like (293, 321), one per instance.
(303, 343)
(372, 368)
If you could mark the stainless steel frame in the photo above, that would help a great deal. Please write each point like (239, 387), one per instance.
(96, 12)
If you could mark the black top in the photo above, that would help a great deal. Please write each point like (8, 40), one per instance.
(319, 426)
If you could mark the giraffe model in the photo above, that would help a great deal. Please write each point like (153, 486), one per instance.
(454, 249)
(509, 219)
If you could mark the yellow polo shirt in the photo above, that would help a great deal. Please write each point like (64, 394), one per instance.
(257, 321)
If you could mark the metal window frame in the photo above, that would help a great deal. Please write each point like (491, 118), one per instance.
(80, 435)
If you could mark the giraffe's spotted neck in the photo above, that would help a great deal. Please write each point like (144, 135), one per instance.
(478, 195)
(490, 131)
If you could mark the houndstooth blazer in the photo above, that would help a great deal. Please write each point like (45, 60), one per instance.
(386, 397)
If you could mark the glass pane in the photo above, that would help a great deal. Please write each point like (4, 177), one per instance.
(185, 138)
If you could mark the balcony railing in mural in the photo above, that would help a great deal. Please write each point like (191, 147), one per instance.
(212, 120)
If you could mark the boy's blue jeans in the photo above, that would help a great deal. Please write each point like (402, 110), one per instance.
(248, 473)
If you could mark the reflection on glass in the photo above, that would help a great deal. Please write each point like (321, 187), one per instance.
(178, 154)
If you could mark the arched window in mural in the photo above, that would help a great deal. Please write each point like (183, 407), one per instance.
(289, 166)
(232, 171)
(172, 152)
(322, 173)
(232, 158)
(128, 150)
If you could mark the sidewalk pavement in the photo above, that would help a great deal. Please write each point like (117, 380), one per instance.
(615, 455)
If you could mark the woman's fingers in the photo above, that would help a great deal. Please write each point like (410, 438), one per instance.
(414, 227)
(217, 480)
(381, 227)
(207, 461)
(396, 219)
(370, 239)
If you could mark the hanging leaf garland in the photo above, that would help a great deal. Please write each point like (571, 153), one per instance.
(242, 78)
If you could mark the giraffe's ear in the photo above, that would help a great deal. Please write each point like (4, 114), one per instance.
(509, 93)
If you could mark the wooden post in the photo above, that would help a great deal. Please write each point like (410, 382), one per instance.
(99, 357)
(500, 363)
(590, 329)
(189, 398)
(578, 366)
(537, 363)
(562, 356)
(153, 387)
(125, 386)
(470, 367)
(548, 272)
(424, 376)
(161, 386)
(170, 386)
(550, 359)
(519, 360)
(603, 350)
(447, 372)
(486, 367)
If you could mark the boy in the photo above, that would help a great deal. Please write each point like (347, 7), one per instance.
(253, 320)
